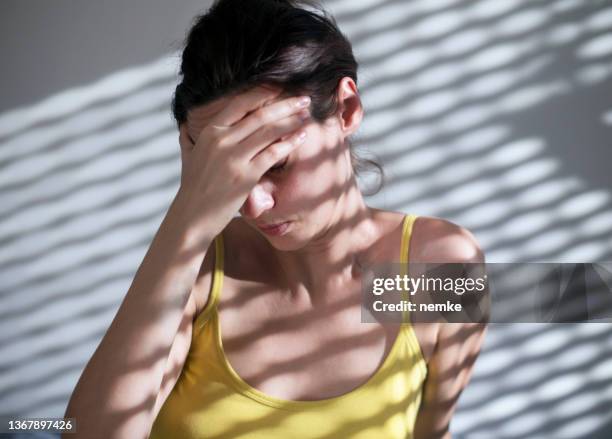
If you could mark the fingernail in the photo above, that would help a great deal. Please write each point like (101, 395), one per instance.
(303, 102)
(301, 137)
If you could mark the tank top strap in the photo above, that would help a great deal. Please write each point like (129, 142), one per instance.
(216, 283)
(407, 328)
(409, 220)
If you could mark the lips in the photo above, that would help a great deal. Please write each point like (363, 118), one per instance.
(270, 225)
(274, 228)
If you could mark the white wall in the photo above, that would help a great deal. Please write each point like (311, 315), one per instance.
(495, 115)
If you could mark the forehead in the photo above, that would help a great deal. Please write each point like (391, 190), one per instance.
(199, 116)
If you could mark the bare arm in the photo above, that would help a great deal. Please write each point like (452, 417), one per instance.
(182, 341)
(118, 389)
(458, 344)
(449, 371)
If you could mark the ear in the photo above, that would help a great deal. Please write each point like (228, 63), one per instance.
(350, 110)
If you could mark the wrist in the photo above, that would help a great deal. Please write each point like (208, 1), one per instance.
(196, 218)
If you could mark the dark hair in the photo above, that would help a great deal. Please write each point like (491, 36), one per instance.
(293, 44)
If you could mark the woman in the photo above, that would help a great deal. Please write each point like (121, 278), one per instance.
(250, 326)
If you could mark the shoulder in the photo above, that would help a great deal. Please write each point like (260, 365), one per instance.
(439, 240)
(457, 344)
(450, 248)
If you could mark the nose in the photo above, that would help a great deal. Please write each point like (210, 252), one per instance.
(259, 200)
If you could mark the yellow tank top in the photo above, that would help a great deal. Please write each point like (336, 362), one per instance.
(210, 400)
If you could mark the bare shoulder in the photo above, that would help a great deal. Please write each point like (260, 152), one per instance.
(457, 345)
(436, 240)
(439, 240)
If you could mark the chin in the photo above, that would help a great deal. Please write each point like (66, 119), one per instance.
(285, 243)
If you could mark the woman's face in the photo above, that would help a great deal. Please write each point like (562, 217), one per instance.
(305, 191)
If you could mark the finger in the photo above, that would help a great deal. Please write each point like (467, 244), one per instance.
(266, 115)
(273, 132)
(242, 104)
(276, 152)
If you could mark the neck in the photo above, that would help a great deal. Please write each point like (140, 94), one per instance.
(335, 257)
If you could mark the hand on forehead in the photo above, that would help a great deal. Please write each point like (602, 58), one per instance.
(263, 95)
(231, 108)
